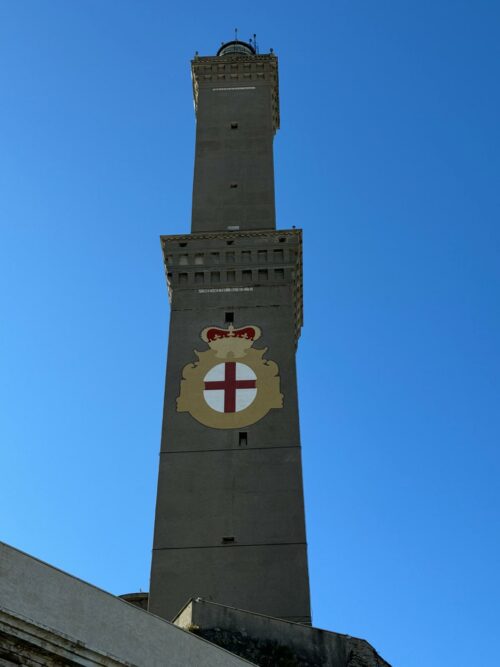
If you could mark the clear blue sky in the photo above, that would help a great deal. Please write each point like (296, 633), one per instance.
(388, 157)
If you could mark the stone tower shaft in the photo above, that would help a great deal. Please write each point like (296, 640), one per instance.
(237, 114)
(229, 523)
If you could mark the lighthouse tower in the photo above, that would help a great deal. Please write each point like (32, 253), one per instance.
(229, 524)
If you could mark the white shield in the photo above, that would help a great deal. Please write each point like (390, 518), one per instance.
(230, 387)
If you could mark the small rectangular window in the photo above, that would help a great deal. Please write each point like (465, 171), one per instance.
(263, 274)
(231, 276)
(199, 258)
(215, 277)
(278, 255)
(229, 317)
(233, 185)
(183, 278)
(246, 256)
(228, 540)
(230, 256)
(243, 439)
(183, 260)
(246, 276)
(199, 277)
(215, 257)
(234, 126)
(262, 256)
(279, 274)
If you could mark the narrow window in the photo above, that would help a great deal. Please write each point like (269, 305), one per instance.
(246, 276)
(234, 126)
(215, 257)
(215, 277)
(198, 277)
(228, 540)
(229, 317)
(263, 274)
(246, 255)
(282, 239)
(233, 185)
(231, 276)
(198, 258)
(279, 274)
(243, 438)
(183, 278)
(262, 255)
(278, 255)
(230, 257)
(182, 245)
(183, 260)
(229, 242)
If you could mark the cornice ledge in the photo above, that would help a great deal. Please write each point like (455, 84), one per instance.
(233, 58)
(231, 235)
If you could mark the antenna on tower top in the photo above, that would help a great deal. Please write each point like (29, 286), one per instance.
(253, 42)
(236, 34)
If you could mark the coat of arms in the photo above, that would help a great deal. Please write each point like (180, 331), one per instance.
(231, 385)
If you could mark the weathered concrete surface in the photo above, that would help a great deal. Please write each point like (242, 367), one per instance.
(270, 641)
(48, 617)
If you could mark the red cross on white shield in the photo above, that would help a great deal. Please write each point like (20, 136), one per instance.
(230, 387)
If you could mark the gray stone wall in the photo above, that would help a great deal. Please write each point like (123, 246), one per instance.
(270, 642)
(48, 617)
